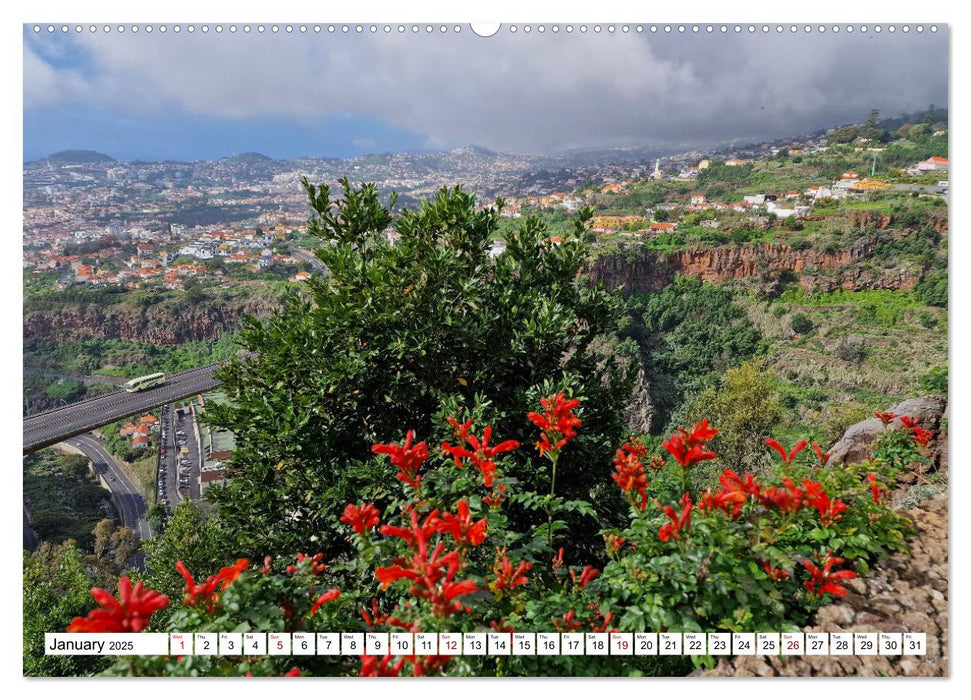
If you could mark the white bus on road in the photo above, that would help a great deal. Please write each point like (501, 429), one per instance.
(146, 382)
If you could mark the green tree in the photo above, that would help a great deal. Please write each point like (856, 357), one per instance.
(848, 134)
(57, 588)
(801, 324)
(745, 408)
(124, 543)
(872, 130)
(190, 536)
(102, 537)
(390, 335)
(157, 516)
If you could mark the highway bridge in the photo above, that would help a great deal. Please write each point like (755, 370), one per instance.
(59, 424)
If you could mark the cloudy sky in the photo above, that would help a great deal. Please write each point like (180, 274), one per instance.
(196, 96)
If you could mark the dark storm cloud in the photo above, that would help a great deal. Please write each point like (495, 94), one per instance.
(512, 92)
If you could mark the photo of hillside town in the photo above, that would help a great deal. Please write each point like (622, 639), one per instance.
(350, 369)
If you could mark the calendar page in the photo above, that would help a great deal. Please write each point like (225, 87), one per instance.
(451, 349)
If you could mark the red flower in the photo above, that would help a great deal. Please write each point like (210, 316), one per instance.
(829, 511)
(374, 618)
(557, 561)
(130, 612)
(332, 594)
(508, 578)
(885, 416)
(823, 580)
(461, 527)
(406, 457)
(567, 623)
(875, 486)
(371, 666)
(728, 501)
(293, 672)
(606, 621)
(748, 486)
(921, 436)
(495, 499)
(501, 626)
(734, 493)
(432, 575)
(361, 518)
(557, 422)
(823, 456)
(208, 592)
(586, 576)
(416, 533)
(908, 422)
(774, 574)
(689, 448)
(786, 457)
(228, 574)
(788, 499)
(481, 455)
(631, 475)
(316, 565)
(614, 542)
(679, 523)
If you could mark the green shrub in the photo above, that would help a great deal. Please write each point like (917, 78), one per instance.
(801, 324)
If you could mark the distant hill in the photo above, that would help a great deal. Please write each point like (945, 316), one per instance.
(250, 158)
(78, 156)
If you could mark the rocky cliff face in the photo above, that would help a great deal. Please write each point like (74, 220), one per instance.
(160, 324)
(763, 263)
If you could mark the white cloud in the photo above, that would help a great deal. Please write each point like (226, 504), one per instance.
(510, 92)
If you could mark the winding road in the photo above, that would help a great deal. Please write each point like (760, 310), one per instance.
(128, 501)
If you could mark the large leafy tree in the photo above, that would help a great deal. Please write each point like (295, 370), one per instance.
(409, 324)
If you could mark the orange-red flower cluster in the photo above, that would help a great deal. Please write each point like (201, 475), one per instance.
(130, 612)
(824, 580)
(885, 416)
(787, 499)
(461, 527)
(829, 511)
(631, 475)
(373, 666)
(557, 422)
(408, 458)
(567, 623)
(774, 574)
(506, 577)
(316, 563)
(690, 448)
(208, 593)
(332, 594)
(875, 486)
(614, 542)
(432, 574)
(921, 436)
(679, 523)
(732, 496)
(588, 574)
(480, 455)
(361, 518)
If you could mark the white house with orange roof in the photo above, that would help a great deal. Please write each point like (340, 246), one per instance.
(932, 164)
